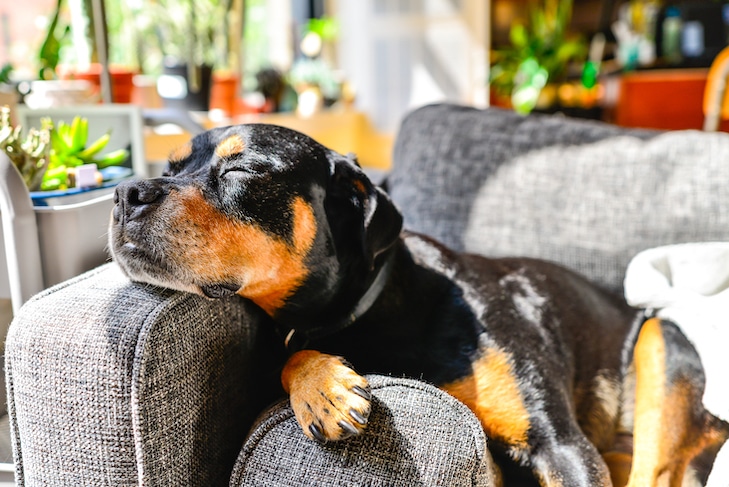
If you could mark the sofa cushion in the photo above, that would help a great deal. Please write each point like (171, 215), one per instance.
(417, 436)
(585, 194)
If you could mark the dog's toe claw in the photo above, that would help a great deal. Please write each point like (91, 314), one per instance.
(362, 392)
(358, 416)
(317, 433)
(348, 428)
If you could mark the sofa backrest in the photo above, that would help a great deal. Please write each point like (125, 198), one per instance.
(588, 195)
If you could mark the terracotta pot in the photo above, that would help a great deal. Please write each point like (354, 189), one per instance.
(224, 92)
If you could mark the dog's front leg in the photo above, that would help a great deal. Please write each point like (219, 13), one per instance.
(330, 400)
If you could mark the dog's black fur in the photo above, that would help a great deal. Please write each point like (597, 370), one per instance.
(545, 359)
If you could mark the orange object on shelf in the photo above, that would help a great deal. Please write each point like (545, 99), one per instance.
(670, 99)
(224, 92)
(122, 83)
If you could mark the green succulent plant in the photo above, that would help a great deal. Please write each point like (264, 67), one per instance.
(70, 149)
(46, 156)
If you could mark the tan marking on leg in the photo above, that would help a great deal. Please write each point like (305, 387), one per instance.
(650, 360)
(321, 391)
(492, 393)
(231, 146)
(694, 432)
(671, 427)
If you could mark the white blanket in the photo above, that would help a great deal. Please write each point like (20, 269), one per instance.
(689, 284)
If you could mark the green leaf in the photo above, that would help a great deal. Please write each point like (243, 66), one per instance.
(79, 133)
(58, 143)
(96, 147)
(52, 184)
(571, 50)
(539, 24)
(55, 178)
(518, 35)
(564, 14)
(64, 131)
(112, 158)
(49, 54)
(73, 161)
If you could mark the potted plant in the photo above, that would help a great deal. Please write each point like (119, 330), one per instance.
(540, 53)
(191, 44)
(69, 63)
(52, 157)
(70, 52)
(53, 235)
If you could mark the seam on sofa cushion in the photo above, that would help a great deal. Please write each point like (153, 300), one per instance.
(143, 334)
(14, 436)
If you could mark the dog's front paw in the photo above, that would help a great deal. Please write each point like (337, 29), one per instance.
(330, 400)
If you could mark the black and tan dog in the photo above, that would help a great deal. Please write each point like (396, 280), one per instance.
(554, 368)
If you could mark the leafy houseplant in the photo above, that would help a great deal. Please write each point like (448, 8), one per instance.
(47, 156)
(540, 52)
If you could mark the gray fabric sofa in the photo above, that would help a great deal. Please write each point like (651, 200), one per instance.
(112, 383)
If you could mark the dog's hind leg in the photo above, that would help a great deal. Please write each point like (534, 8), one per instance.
(671, 426)
(544, 439)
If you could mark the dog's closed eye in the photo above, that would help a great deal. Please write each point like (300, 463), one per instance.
(243, 170)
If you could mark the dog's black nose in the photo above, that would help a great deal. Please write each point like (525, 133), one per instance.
(134, 197)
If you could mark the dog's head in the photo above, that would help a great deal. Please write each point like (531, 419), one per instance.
(256, 210)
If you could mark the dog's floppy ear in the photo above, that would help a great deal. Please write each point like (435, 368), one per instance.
(356, 205)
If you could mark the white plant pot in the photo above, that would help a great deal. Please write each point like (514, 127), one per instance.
(45, 245)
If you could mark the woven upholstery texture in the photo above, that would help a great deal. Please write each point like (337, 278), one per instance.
(585, 194)
(417, 436)
(113, 383)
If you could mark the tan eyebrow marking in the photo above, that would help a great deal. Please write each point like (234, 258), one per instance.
(180, 153)
(231, 146)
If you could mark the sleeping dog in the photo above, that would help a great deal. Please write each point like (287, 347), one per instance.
(556, 370)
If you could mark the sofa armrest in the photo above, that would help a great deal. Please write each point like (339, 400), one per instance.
(417, 436)
(114, 383)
